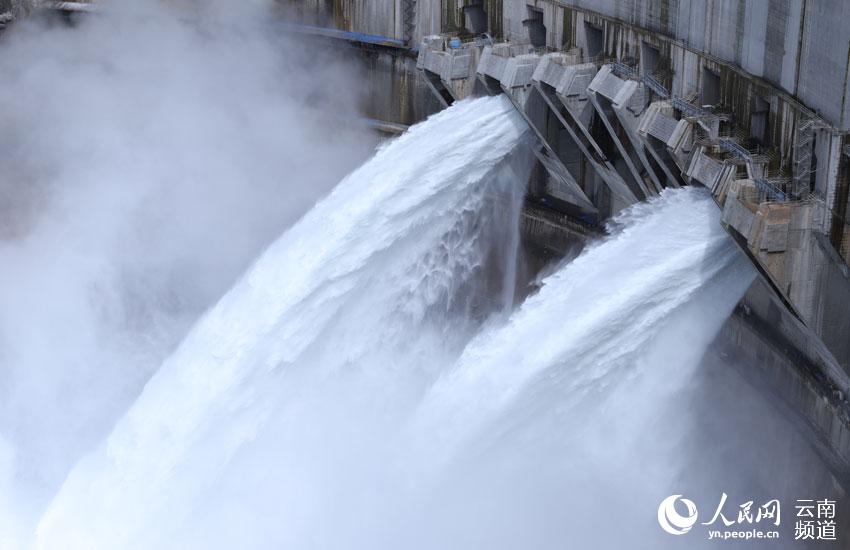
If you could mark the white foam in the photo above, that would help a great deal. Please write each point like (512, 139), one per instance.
(358, 272)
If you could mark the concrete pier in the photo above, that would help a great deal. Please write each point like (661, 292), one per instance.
(627, 107)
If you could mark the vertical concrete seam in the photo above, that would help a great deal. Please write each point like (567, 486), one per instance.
(844, 95)
(804, 16)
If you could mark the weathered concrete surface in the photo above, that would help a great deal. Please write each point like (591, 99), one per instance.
(449, 66)
(718, 143)
(562, 82)
(783, 238)
(395, 91)
(380, 17)
(770, 66)
(551, 234)
(511, 71)
(768, 347)
(799, 46)
(367, 16)
(12, 9)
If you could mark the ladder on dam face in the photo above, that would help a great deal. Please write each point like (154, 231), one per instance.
(803, 142)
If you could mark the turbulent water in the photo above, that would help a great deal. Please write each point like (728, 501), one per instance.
(364, 290)
(360, 387)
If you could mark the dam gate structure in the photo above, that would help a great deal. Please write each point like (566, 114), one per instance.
(627, 98)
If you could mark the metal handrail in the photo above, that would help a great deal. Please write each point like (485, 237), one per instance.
(689, 109)
(655, 86)
(622, 70)
(772, 193)
(730, 146)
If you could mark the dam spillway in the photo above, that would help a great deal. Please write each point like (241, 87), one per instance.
(386, 267)
(424, 372)
(597, 109)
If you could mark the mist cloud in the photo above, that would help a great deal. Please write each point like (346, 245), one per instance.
(148, 154)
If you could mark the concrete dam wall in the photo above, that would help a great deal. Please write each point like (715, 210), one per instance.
(627, 98)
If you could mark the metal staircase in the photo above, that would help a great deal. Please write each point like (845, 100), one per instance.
(803, 141)
(653, 84)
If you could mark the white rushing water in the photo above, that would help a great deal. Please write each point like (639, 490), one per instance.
(360, 288)
(357, 389)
